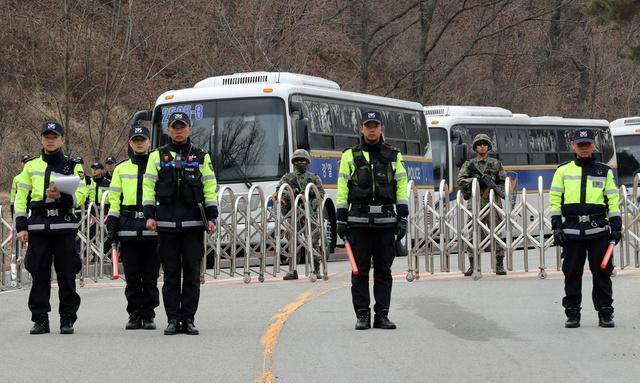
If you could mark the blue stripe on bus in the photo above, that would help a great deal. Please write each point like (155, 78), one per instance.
(327, 166)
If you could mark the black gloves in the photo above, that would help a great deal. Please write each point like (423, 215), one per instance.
(343, 230)
(401, 228)
(559, 237)
(112, 227)
(616, 236)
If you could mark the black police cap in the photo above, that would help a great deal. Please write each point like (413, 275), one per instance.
(372, 116)
(97, 165)
(110, 160)
(52, 127)
(584, 135)
(179, 116)
(139, 130)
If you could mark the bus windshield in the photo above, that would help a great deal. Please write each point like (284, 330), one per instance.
(628, 156)
(246, 138)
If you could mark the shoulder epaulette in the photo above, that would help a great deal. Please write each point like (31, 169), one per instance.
(565, 163)
(31, 159)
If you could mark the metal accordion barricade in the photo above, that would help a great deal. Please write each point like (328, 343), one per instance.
(315, 244)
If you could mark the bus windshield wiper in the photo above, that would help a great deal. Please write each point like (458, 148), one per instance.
(241, 172)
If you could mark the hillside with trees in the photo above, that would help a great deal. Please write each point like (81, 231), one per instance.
(91, 63)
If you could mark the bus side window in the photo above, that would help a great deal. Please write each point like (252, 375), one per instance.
(543, 146)
(320, 124)
(512, 145)
(414, 133)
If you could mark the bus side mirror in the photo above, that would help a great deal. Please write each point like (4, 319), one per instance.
(295, 106)
(302, 134)
(460, 154)
(142, 115)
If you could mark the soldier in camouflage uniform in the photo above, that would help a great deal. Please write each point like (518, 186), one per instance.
(298, 180)
(487, 166)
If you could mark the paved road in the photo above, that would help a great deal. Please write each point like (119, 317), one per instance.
(450, 329)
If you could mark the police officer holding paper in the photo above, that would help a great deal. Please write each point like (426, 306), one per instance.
(51, 229)
(138, 246)
(180, 201)
(584, 193)
(371, 180)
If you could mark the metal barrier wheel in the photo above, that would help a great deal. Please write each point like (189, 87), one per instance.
(261, 278)
(14, 284)
(542, 274)
(325, 276)
(247, 278)
(312, 277)
(476, 275)
(81, 283)
(410, 276)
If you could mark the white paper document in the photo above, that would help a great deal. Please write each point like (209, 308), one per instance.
(66, 184)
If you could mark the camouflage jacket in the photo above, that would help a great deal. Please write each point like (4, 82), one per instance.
(489, 166)
(298, 181)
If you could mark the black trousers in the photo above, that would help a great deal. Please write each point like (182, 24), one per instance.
(379, 244)
(142, 267)
(62, 251)
(575, 253)
(181, 253)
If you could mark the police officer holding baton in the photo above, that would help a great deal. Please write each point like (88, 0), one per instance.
(180, 201)
(584, 193)
(138, 245)
(371, 180)
(51, 229)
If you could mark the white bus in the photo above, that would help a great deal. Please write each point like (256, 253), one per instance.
(251, 122)
(527, 146)
(626, 134)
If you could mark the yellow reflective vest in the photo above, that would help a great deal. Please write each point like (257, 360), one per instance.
(584, 193)
(47, 216)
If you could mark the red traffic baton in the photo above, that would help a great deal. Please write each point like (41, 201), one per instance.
(607, 255)
(114, 258)
(352, 260)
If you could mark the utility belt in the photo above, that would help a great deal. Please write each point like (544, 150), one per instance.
(42, 212)
(132, 214)
(372, 208)
(584, 218)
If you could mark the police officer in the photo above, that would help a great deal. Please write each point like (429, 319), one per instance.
(99, 185)
(110, 165)
(371, 180)
(584, 192)
(87, 179)
(482, 165)
(298, 180)
(50, 229)
(14, 183)
(138, 246)
(180, 202)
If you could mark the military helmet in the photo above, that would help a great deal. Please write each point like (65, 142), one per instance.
(481, 137)
(301, 153)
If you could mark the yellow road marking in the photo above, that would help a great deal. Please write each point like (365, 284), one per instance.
(269, 338)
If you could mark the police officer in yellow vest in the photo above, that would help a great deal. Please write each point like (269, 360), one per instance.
(51, 229)
(99, 185)
(180, 201)
(371, 180)
(14, 183)
(584, 193)
(138, 246)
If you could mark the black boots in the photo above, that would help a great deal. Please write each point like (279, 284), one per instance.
(135, 322)
(40, 326)
(364, 320)
(573, 317)
(605, 317)
(66, 326)
(382, 321)
(500, 270)
(291, 275)
(189, 328)
(148, 323)
(469, 271)
(172, 327)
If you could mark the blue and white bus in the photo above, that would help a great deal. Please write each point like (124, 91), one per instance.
(626, 134)
(528, 147)
(251, 122)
